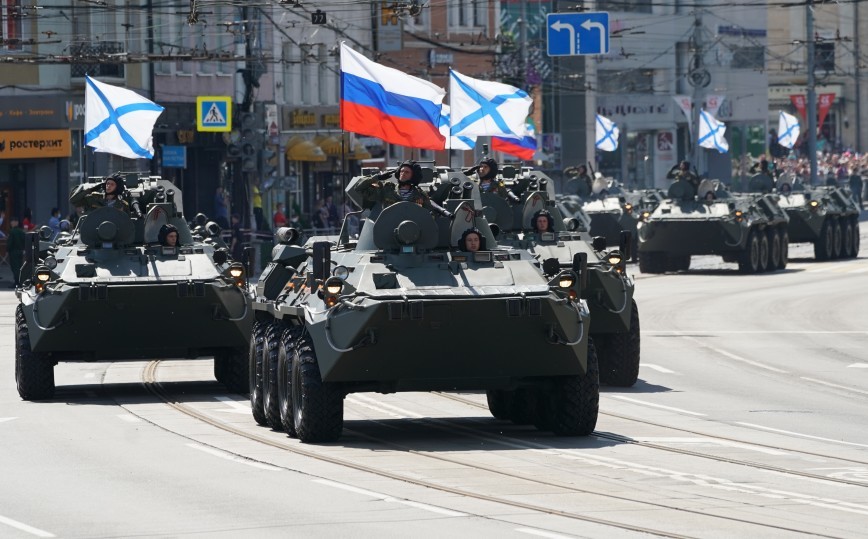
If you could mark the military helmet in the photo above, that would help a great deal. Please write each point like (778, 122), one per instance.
(415, 167)
(548, 216)
(164, 232)
(472, 230)
(492, 168)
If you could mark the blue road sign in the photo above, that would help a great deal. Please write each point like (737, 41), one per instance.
(573, 34)
(175, 156)
(213, 113)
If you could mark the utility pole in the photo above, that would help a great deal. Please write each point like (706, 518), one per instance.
(696, 66)
(812, 93)
(858, 75)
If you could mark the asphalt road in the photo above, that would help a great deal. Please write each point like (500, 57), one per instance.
(748, 421)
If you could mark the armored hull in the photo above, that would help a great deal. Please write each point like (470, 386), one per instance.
(111, 291)
(750, 229)
(825, 216)
(402, 309)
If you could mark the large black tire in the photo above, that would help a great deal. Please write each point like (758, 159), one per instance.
(34, 373)
(232, 366)
(785, 247)
(677, 262)
(499, 403)
(838, 239)
(257, 342)
(270, 350)
(284, 380)
(318, 407)
(524, 406)
(856, 240)
(774, 239)
(570, 407)
(825, 244)
(748, 261)
(652, 262)
(763, 252)
(847, 239)
(618, 353)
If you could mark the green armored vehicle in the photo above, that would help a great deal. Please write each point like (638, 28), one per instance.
(422, 300)
(132, 265)
(608, 290)
(613, 209)
(826, 216)
(747, 228)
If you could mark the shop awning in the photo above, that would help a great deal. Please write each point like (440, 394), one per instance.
(330, 145)
(359, 153)
(298, 149)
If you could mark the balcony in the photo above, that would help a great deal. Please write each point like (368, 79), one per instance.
(100, 59)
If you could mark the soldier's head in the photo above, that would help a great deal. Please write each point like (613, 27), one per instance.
(168, 235)
(487, 169)
(409, 172)
(543, 222)
(684, 165)
(472, 240)
(114, 185)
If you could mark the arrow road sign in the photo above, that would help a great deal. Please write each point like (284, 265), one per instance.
(571, 34)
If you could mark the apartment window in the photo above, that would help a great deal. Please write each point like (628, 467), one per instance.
(624, 6)
(632, 81)
(748, 58)
(291, 71)
(824, 57)
(467, 13)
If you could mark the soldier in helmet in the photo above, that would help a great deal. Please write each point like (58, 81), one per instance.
(409, 174)
(682, 171)
(108, 193)
(542, 221)
(168, 235)
(486, 173)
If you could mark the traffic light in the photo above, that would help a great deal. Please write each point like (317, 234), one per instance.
(250, 142)
(270, 161)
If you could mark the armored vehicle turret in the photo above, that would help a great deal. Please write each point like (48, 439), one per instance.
(415, 304)
(563, 240)
(825, 216)
(748, 228)
(120, 287)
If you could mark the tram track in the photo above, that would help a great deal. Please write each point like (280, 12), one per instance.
(158, 390)
(699, 454)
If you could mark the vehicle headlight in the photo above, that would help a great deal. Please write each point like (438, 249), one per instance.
(334, 285)
(628, 208)
(566, 281)
(739, 215)
(51, 262)
(236, 271)
(614, 258)
(646, 215)
(43, 274)
(814, 204)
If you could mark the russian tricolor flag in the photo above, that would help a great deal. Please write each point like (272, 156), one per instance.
(382, 102)
(523, 148)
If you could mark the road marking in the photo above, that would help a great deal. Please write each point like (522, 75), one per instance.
(234, 458)
(129, 418)
(836, 386)
(858, 366)
(726, 443)
(4, 419)
(540, 533)
(89, 375)
(385, 407)
(735, 357)
(643, 403)
(657, 368)
(751, 332)
(235, 407)
(25, 528)
(390, 499)
(752, 425)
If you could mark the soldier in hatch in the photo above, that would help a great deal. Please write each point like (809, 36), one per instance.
(486, 173)
(472, 240)
(682, 172)
(542, 221)
(108, 193)
(374, 189)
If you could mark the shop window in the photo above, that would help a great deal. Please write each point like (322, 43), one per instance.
(824, 57)
(748, 58)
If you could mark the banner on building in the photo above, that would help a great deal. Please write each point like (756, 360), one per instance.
(824, 103)
(800, 102)
(39, 144)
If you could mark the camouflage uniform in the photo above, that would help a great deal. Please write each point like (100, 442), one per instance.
(92, 196)
(388, 193)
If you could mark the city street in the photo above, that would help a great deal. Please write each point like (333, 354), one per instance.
(748, 420)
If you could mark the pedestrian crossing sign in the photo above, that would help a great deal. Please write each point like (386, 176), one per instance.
(213, 113)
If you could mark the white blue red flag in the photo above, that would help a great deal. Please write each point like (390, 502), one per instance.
(607, 134)
(486, 108)
(711, 132)
(383, 102)
(524, 148)
(789, 130)
(119, 121)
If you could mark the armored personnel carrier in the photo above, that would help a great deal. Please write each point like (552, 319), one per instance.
(748, 228)
(404, 307)
(613, 209)
(90, 294)
(825, 216)
(608, 289)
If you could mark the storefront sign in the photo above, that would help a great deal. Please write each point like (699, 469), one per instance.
(46, 144)
(175, 156)
(302, 118)
(331, 120)
(824, 103)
